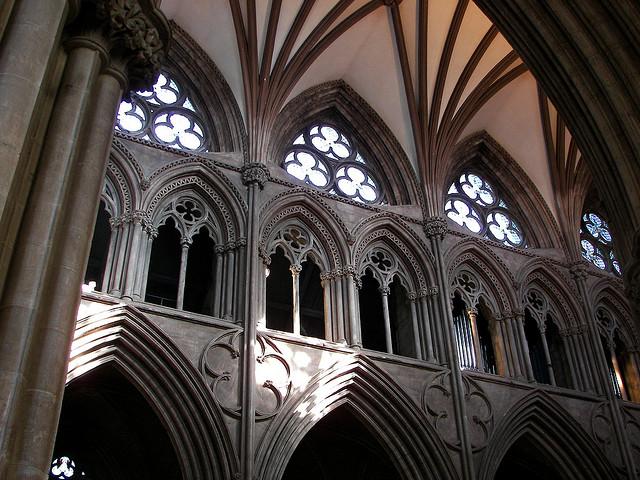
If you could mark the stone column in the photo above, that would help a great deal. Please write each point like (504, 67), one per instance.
(526, 357)
(254, 176)
(435, 229)
(547, 357)
(295, 282)
(417, 338)
(326, 281)
(568, 342)
(229, 276)
(182, 278)
(106, 55)
(384, 291)
(217, 287)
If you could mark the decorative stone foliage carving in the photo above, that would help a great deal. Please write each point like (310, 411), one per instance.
(437, 402)
(255, 173)
(435, 227)
(221, 365)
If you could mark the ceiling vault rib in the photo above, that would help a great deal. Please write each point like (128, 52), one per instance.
(408, 88)
(464, 78)
(307, 54)
(443, 69)
(241, 39)
(423, 58)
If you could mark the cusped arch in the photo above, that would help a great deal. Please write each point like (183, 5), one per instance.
(224, 208)
(387, 231)
(121, 336)
(124, 179)
(496, 280)
(607, 293)
(414, 447)
(549, 426)
(317, 217)
(540, 275)
(338, 104)
(482, 154)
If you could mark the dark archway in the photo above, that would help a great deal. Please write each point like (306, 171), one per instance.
(340, 447)
(109, 430)
(526, 461)
(164, 266)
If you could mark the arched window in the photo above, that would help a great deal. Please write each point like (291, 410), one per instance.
(597, 244)
(165, 115)
(185, 264)
(546, 347)
(474, 204)
(617, 356)
(294, 291)
(473, 326)
(324, 157)
(386, 319)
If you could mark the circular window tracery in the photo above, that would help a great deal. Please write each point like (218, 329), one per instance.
(165, 115)
(63, 468)
(323, 157)
(596, 243)
(472, 203)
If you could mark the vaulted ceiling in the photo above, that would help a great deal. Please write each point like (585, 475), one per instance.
(435, 72)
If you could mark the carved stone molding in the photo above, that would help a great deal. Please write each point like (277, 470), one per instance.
(221, 365)
(437, 402)
(255, 173)
(435, 227)
(134, 34)
(603, 432)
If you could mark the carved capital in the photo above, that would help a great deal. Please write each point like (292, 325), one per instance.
(295, 269)
(132, 36)
(578, 271)
(385, 291)
(433, 291)
(255, 173)
(435, 227)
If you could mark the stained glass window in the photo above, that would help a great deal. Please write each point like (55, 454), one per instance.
(472, 203)
(63, 468)
(325, 158)
(165, 115)
(596, 243)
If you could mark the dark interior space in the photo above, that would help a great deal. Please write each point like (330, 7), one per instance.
(279, 293)
(99, 249)
(371, 316)
(198, 287)
(164, 266)
(558, 354)
(536, 350)
(486, 339)
(110, 432)
(340, 447)
(400, 318)
(525, 461)
(311, 301)
(462, 330)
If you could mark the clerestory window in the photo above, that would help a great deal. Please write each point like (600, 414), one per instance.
(165, 115)
(597, 244)
(474, 204)
(324, 157)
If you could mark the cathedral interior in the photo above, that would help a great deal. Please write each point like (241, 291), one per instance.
(321, 239)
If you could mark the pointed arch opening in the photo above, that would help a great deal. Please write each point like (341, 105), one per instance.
(340, 446)
(108, 430)
(527, 460)
(97, 263)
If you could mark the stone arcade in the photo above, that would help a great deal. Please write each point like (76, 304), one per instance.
(333, 239)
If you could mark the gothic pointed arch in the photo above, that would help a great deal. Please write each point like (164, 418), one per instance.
(387, 230)
(497, 281)
(224, 205)
(559, 290)
(126, 175)
(415, 448)
(338, 104)
(123, 337)
(607, 293)
(312, 213)
(554, 431)
(481, 154)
